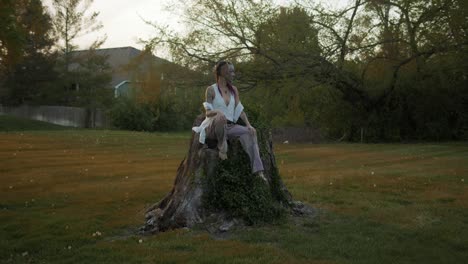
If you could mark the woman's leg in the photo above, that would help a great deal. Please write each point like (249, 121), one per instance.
(217, 130)
(249, 144)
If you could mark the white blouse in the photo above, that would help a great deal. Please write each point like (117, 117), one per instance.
(231, 111)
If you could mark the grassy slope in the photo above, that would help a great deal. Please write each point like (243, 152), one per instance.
(381, 203)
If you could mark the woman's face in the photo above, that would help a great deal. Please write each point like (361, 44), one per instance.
(227, 71)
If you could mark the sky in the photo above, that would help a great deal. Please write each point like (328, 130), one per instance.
(123, 20)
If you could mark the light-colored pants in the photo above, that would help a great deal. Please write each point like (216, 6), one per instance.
(221, 131)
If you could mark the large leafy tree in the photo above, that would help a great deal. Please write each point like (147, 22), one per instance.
(412, 37)
(389, 49)
(11, 35)
(26, 51)
(277, 52)
(373, 56)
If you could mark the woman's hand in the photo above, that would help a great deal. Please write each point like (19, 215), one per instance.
(211, 113)
(251, 129)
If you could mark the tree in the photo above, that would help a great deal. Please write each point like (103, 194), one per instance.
(244, 32)
(71, 21)
(288, 38)
(217, 29)
(27, 54)
(11, 35)
(91, 75)
(168, 91)
(264, 42)
(411, 34)
(374, 54)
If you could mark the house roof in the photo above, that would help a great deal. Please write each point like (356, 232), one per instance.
(119, 58)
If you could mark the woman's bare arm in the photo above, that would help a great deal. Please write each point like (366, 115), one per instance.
(244, 118)
(209, 97)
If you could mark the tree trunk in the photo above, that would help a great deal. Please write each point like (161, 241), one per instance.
(187, 204)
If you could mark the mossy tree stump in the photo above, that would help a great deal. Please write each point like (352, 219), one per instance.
(214, 192)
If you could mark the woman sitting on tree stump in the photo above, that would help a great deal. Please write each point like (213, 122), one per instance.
(223, 109)
(219, 195)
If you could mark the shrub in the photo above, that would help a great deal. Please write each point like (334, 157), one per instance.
(127, 114)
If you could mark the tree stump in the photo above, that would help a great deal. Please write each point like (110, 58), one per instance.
(221, 194)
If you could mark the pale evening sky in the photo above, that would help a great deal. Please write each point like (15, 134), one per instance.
(123, 20)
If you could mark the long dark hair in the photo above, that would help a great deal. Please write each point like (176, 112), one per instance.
(217, 71)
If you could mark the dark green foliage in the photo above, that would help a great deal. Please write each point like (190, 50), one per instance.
(164, 115)
(371, 70)
(176, 113)
(93, 76)
(428, 107)
(278, 194)
(238, 192)
(26, 55)
(263, 126)
(126, 114)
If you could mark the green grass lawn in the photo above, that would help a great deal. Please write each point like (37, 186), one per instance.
(378, 203)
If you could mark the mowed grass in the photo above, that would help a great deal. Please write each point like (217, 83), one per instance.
(380, 203)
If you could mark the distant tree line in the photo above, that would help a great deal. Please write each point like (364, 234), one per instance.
(40, 65)
(36, 61)
(381, 70)
(378, 70)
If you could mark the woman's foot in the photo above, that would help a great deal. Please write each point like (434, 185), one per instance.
(222, 155)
